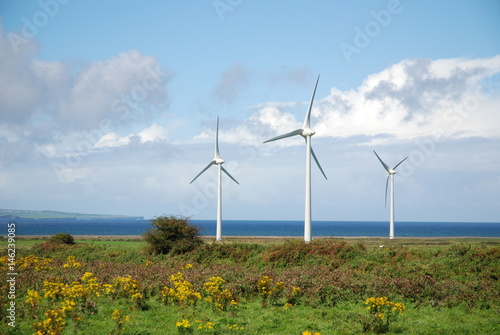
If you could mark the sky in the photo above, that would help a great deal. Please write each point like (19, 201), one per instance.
(110, 107)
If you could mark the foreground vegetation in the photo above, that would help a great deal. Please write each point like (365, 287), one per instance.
(330, 286)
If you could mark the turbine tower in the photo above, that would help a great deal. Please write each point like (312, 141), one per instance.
(390, 175)
(307, 133)
(217, 161)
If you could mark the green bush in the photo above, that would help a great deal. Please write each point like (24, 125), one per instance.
(172, 234)
(62, 238)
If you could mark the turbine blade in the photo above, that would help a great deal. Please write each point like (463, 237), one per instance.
(383, 164)
(229, 174)
(394, 168)
(386, 185)
(317, 162)
(290, 134)
(205, 169)
(217, 155)
(307, 121)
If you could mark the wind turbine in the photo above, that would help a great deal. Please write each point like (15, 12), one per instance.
(306, 132)
(217, 161)
(390, 175)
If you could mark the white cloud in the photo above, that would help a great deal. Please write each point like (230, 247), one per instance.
(155, 133)
(414, 98)
(111, 140)
(56, 110)
(126, 87)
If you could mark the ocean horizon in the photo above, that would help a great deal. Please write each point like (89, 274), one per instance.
(290, 228)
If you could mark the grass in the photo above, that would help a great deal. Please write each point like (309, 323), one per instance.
(447, 285)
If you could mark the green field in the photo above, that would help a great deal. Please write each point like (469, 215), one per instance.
(270, 286)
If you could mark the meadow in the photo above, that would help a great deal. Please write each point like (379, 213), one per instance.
(256, 286)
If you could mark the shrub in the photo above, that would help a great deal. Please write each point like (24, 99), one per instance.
(172, 234)
(62, 238)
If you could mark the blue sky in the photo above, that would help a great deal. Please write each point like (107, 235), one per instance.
(110, 107)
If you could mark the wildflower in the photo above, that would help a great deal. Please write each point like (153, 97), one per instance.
(184, 323)
(125, 286)
(268, 289)
(137, 296)
(208, 325)
(35, 262)
(120, 319)
(383, 312)
(33, 298)
(72, 263)
(54, 321)
(108, 289)
(182, 293)
(53, 290)
(236, 327)
(220, 298)
(67, 305)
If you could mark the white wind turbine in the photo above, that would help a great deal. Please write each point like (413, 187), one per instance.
(217, 161)
(306, 132)
(390, 175)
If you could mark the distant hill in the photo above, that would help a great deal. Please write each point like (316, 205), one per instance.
(11, 214)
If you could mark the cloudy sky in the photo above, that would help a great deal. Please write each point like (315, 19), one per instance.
(110, 107)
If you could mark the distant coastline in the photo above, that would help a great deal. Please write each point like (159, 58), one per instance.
(28, 214)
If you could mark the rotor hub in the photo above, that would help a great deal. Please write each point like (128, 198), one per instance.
(308, 132)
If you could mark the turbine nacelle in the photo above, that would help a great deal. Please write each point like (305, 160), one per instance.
(218, 160)
(307, 132)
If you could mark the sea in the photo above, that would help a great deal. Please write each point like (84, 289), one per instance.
(102, 227)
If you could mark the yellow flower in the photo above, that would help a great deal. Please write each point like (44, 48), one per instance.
(184, 323)
(236, 327)
(33, 298)
(207, 325)
(136, 296)
(119, 318)
(72, 263)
